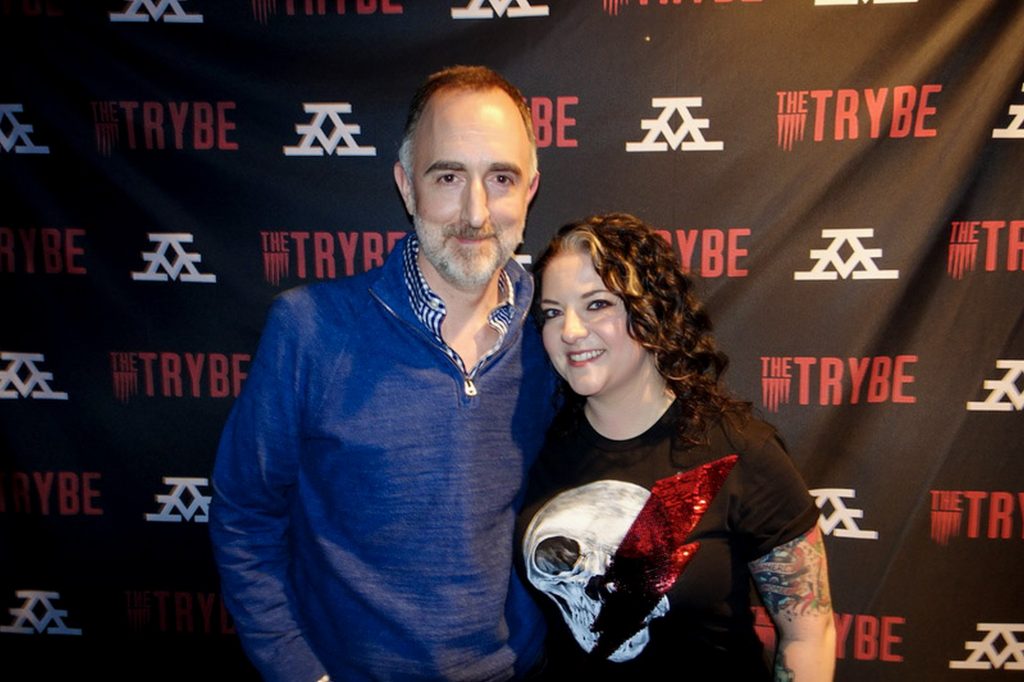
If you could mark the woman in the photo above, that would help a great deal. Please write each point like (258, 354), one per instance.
(658, 499)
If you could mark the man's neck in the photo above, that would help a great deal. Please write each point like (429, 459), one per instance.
(466, 328)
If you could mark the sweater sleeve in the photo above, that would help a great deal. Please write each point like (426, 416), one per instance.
(255, 473)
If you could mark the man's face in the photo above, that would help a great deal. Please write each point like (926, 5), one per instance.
(473, 179)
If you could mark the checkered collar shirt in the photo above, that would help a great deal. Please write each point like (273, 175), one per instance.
(430, 309)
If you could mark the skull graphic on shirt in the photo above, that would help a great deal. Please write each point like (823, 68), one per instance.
(608, 552)
(569, 546)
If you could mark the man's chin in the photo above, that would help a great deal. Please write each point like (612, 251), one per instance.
(474, 272)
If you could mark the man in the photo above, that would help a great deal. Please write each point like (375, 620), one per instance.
(368, 477)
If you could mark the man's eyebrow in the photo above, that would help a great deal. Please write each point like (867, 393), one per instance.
(445, 166)
(500, 167)
(496, 167)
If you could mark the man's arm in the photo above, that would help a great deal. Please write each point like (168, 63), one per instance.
(255, 471)
(793, 582)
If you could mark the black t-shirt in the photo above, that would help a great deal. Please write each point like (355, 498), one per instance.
(642, 502)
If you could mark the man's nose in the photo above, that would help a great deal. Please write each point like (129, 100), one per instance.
(474, 205)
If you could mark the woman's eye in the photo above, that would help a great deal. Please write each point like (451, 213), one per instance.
(598, 304)
(549, 313)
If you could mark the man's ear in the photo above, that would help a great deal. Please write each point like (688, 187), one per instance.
(534, 184)
(404, 183)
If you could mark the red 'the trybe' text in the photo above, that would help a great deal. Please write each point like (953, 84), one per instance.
(321, 7)
(993, 232)
(178, 612)
(550, 120)
(58, 493)
(49, 250)
(316, 254)
(860, 636)
(193, 125)
(720, 250)
(908, 106)
(873, 379)
(987, 514)
(171, 375)
(31, 8)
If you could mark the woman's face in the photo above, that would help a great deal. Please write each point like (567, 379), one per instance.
(585, 332)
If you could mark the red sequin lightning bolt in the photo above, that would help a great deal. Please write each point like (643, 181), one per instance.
(654, 552)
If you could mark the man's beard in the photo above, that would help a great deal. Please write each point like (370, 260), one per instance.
(466, 267)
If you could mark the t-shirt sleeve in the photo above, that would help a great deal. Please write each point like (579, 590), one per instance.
(775, 506)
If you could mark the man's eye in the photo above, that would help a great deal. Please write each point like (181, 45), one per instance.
(503, 179)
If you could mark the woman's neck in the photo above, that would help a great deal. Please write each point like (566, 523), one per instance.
(626, 416)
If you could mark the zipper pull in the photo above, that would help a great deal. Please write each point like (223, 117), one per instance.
(469, 388)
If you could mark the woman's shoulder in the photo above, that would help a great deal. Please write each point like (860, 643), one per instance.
(743, 432)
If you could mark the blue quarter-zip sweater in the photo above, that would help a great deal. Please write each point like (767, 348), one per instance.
(364, 500)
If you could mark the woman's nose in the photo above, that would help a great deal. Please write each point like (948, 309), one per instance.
(573, 328)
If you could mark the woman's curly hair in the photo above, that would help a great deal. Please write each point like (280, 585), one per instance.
(664, 314)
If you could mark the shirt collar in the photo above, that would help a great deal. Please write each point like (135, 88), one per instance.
(428, 306)
(422, 298)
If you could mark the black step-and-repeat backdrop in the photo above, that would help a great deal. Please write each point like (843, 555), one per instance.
(842, 177)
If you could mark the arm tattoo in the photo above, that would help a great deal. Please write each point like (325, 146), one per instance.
(793, 578)
(782, 673)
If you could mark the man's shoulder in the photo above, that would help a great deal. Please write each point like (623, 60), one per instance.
(307, 314)
(336, 295)
(352, 292)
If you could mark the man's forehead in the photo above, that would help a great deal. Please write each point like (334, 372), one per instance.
(490, 110)
(475, 128)
(446, 95)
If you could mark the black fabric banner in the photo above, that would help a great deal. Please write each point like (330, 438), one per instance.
(842, 177)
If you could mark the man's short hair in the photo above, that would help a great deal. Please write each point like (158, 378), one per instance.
(472, 78)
